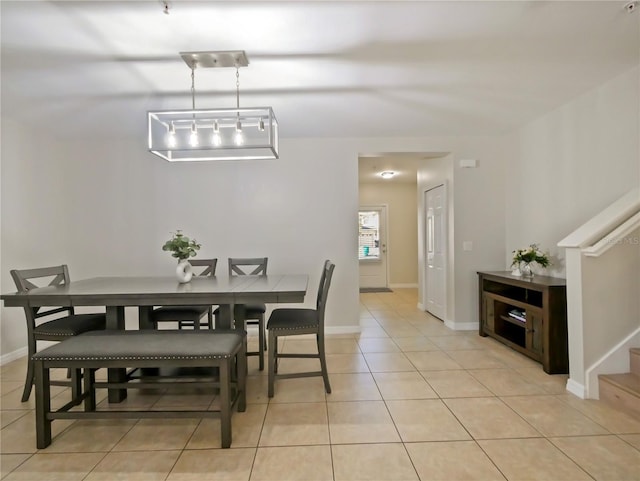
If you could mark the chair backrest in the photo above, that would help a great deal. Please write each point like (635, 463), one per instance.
(323, 290)
(23, 279)
(208, 264)
(255, 266)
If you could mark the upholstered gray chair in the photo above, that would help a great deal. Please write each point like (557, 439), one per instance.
(252, 313)
(298, 321)
(56, 328)
(188, 316)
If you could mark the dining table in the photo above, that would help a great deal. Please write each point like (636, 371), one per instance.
(116, 293)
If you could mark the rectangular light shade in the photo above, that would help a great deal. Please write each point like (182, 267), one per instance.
(214, 134)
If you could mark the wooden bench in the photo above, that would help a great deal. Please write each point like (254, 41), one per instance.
(224, 350)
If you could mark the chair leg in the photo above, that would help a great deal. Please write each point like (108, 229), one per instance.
(273, 340)
(274, 347)
(28, 383)
(323, 364)
(261, 343)
(29, 380)
(210, 317)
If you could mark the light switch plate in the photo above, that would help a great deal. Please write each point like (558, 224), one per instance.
(468, 163)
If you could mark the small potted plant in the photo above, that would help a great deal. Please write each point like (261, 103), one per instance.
(523, 258)
(182, 248)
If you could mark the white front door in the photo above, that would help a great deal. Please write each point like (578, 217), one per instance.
(436, 236)
(372, 245)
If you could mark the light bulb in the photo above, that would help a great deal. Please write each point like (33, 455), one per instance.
(261, 125)
(193, 138)
(216, 140)
(171, 136)
(238, 138)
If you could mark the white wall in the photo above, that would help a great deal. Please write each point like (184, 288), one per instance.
(566, 167)
(611, 310)
(570, 164)
(33, 231)
(402, 220)
(476, 214)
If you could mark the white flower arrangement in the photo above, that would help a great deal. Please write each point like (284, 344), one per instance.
(530, 254)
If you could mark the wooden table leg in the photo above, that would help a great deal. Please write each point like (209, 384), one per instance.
(115, 320)
(144, 317)
(224, 319)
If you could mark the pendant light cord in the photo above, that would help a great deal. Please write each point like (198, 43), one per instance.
(237, 87)
(193, 88)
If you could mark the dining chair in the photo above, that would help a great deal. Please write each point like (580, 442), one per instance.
(188, 316)
(252, 313)
(298, 321)
(56, 328)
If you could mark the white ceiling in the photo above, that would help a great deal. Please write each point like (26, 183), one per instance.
(405, 166)
(329, 69)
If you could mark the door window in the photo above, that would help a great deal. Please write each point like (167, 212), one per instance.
(368, 235)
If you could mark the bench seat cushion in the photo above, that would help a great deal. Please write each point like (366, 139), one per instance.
(145, 345)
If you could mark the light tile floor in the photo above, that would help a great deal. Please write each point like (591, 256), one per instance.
(411, 400)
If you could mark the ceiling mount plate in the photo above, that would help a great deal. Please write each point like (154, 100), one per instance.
(225, 58)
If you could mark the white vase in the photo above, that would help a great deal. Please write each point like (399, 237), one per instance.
(184, 271)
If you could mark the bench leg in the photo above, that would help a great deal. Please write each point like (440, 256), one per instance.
(43, 406)
(225, 403)
(76, 385)
(115, 320)
(90, 389)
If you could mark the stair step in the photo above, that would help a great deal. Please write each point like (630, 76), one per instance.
(622, 391)
(634, 356)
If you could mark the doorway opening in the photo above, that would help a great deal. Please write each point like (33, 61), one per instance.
(372, 246)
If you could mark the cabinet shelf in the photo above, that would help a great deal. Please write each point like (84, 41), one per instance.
(514, 321)
(543, 334)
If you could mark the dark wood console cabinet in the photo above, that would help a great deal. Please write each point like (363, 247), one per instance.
(529, 315)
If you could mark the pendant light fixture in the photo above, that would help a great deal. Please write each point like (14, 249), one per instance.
(214, 134)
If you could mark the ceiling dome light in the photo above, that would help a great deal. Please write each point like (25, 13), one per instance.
(387, 174)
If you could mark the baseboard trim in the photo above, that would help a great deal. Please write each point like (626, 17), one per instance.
(461, 326)
(403, 286)
(12, 356)
(576, 388)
